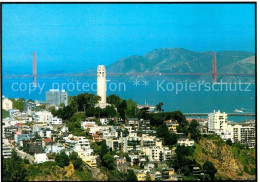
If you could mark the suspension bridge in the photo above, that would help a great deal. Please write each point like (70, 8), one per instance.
(213, 74)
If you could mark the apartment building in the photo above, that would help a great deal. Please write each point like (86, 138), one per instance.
(217, 121)
(244, 134)
(42, 116)
(55, 121)
(6, 149)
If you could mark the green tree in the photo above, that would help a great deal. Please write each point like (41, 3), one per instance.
(83, 101)
(65, 113)
(14, 168)
(194, 130)
(37, 136)
(159, 107)
(62, 105)
(73, 156)
(181, 160)
(43, 106)
(210, 169)
(114, 100)
(52, 110)
(109, 111)
(77, 163)
(131, 109)
(131, 176)
(168, 138)
(229, 142)
(26, 161)
(121, 109)
(30, 100)
(62, 159)
(5, 113)
(148, 177)
(18, 104)
(108, 161)
(96, 148)
(77, 117)
(104, 149)
(91, 111)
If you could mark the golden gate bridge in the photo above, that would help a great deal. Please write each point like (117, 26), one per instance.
(213, 74)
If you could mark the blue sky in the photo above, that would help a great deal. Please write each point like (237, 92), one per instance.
(75, 37)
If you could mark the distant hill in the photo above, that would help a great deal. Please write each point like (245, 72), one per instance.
(180, 60)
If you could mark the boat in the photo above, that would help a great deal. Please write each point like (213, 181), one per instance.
(238, 111)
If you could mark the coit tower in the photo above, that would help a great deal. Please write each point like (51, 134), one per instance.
(101, 83)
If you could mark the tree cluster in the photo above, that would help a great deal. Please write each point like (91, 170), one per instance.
(182, 162)
(168, 137)
(18, 104)
(62, 160)
(14, 168)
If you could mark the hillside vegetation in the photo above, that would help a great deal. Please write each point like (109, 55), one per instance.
(50, 171)
(232, 162)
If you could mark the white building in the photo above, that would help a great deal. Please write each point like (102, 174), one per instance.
(7, 149)
(29, 110)
(95, 128)
(55, 120)
(45, 133)
(157, 154)
(243, 134)
(186, 142)
(40, 158)
(71, 142)
(88, 124)
(7, 104)
(56, 148)
(43, 116)
(110, 134)
(224, 134)
(103, 121)
(217, 121)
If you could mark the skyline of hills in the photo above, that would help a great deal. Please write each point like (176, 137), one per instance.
(181, 60)
(169, 60)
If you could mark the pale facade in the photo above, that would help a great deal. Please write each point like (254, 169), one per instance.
(243, 134)
(40, 158)
(55, 120)
(43, 116)
(186, 142)
(7, 104)
(217, 121)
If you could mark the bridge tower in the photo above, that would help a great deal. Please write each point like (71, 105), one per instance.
(34, 69)
(214, 68)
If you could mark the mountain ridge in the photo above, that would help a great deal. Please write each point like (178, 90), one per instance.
(180, 60)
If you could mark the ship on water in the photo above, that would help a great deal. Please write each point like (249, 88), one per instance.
(238, 111)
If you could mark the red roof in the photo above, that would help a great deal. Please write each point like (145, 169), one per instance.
(19, 124)
(88, 125)
(47, 139)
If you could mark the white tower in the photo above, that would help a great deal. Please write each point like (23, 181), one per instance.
(101, 84)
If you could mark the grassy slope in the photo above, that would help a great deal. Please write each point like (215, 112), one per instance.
(230, 161)
(49, 171)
